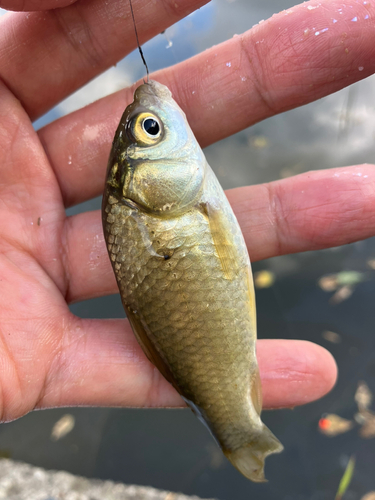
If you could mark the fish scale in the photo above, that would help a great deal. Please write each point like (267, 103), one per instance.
(184, 275)
(185, 327)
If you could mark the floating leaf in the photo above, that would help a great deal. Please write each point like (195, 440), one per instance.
(346, 479)
(332, 337)
(363, 396)
(350, 278)
(343, 293)
(331, 282)
(331, 425)
(359, 418)
(62, 427)
(264, 279)
(367, 430)
(258, 141)
(328, 283)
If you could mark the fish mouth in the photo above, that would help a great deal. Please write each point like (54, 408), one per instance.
(153, 89)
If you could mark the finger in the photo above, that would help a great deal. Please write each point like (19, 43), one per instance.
(103, 365)
(276, 66)
(315, 210)
(31, 5)
(308, 370)
(31, 211)
(46, 56)
(311, 211)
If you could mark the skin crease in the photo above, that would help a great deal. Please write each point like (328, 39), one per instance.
(49, 357)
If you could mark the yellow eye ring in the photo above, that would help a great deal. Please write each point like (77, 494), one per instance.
(146, 128)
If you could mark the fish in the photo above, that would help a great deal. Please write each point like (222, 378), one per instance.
(184, 274)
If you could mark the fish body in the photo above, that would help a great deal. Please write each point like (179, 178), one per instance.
(184, 273)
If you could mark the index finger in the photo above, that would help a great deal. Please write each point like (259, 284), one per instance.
(46, 56)
(30, 5)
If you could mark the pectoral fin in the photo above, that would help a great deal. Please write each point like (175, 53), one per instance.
(221, 234)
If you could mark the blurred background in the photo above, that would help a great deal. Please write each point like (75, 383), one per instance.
(326, 297)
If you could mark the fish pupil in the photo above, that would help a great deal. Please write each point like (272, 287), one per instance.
(151, 126)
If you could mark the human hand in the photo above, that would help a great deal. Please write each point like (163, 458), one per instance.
(48, 356)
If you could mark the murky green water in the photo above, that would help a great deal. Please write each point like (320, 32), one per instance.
(171, 449)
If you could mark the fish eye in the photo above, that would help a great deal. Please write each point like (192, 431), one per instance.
(145, 129)
(151, 126)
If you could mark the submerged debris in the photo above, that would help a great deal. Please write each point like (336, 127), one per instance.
(332, 337)
(365, 417)
(342, 294)
(363, 396)
(328, 283)
(62, 427)
(264, 279)
(258, 142)
(342, 283)
(331, 425)
(367, 431)
(331, 282)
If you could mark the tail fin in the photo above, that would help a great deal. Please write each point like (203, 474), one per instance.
(249, 459)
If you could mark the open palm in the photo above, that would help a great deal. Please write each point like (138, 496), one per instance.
(48, 356)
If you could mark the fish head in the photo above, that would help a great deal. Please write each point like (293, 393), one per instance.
(156, 163)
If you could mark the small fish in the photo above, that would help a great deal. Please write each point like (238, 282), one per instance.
(184, 273)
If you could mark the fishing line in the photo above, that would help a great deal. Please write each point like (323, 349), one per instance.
(139, 47)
